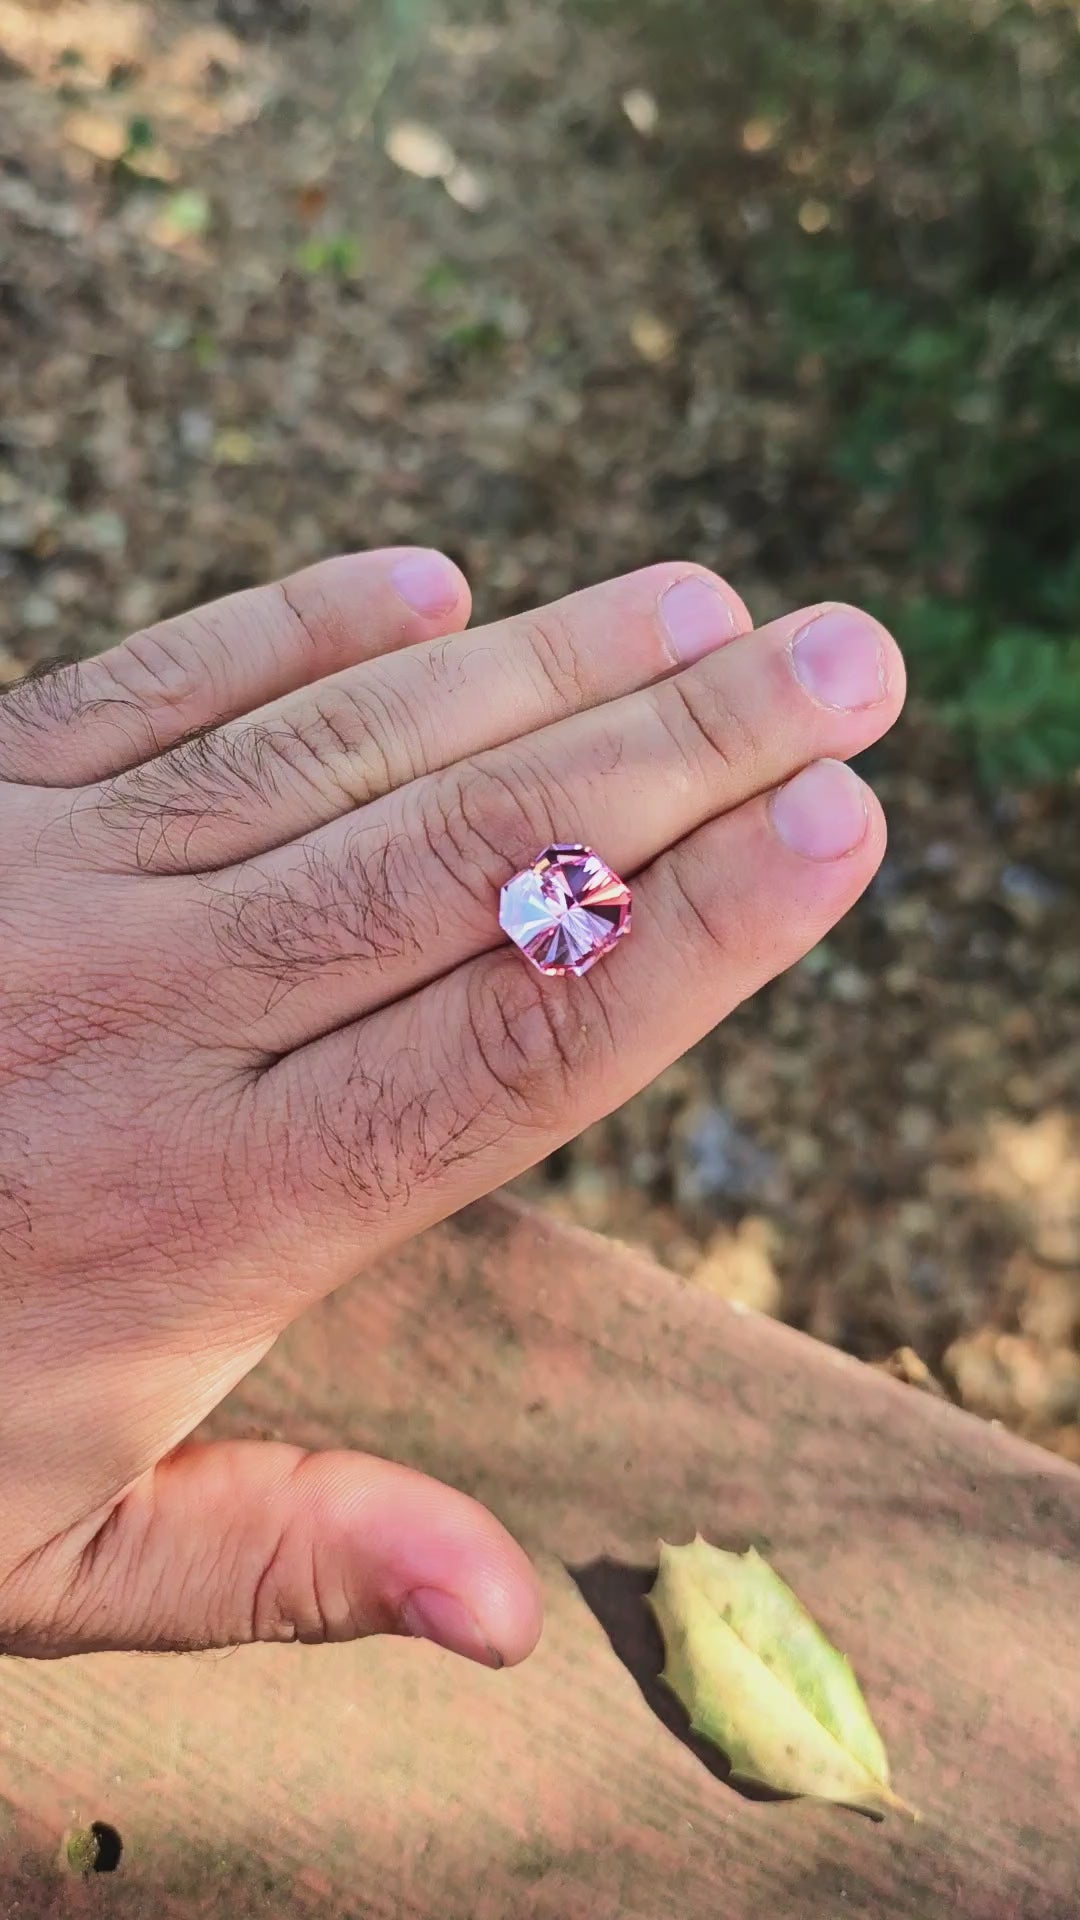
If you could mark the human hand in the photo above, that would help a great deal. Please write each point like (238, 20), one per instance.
(257, 1024)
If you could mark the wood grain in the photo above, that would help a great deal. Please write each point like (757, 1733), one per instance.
(596, 1403)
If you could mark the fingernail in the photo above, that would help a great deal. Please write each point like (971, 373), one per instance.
(697, 618)
(429, 1614)
(426, 582)
(840, 660)
(822, 813)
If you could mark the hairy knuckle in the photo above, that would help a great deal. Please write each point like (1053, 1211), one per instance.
(51, 693)
(58, 698)
(211, 776)
(351, 903)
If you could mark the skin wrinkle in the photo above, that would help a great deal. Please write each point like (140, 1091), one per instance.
(517, 1028)
(16, 1220)
(309, 632)
(271, 1622)
(475, 826)
(171, 689)
(551, 641)
(709, 739)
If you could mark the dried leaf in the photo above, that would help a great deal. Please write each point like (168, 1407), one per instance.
(654, 340)
(759, 1679)
(420, 149)
(234, 447)
(467, 188)
(814, 216)
(640, 108)
(101, 135)
(759, 134)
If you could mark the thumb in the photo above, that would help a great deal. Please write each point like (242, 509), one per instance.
(238, 1541)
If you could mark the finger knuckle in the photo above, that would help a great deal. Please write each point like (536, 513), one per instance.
(697, 901)
(288, 1600)
(528, 1042)
(554, 645)
(209, 778)
(330, 905)
(481, 823)
(299, 1590)
(51, 692)
(341, 745)
(706, 724)
(53, 699)
(166, 666)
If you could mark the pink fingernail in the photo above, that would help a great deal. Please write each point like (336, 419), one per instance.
(822, 813)
(840, 660)
(697, 618)
(429, 1614)
(427, 582)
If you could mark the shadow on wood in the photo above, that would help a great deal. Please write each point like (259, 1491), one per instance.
(595, 1403)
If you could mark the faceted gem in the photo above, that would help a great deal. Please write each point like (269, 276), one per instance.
(565, 911)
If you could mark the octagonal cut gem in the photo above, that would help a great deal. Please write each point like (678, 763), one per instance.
(565, 911)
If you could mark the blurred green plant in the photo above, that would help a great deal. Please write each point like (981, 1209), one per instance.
(140, 135)
(895, 185)
(335, 254)
(189, 213)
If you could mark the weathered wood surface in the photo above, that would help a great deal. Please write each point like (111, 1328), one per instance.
(595, 1403)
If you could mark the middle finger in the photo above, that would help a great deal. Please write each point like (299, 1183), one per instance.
(370, 908)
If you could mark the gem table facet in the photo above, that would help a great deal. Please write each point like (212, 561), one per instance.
(566, 911)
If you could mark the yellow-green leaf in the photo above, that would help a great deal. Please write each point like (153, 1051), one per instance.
(759, 1679)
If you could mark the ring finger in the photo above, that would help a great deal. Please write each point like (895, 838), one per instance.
(372, 1133)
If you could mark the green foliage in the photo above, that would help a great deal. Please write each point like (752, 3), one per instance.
(336, 255)
(189, 213)
(140, 134)
(928, 320)
(471, 319)
(1013, 695)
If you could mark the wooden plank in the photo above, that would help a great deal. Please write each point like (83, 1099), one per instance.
(596, 1403)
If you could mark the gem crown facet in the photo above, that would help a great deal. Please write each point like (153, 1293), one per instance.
(566, 911)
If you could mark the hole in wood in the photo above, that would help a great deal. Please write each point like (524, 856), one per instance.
(94, 1849)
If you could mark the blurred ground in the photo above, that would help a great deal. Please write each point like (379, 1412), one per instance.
(277, 280)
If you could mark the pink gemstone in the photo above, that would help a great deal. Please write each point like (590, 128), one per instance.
(565, 911)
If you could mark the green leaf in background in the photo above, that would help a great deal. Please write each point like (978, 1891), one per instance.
(759, 1679)
(189, 213)
(337, 255)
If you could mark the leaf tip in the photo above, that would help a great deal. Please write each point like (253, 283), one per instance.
(896, 1805)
